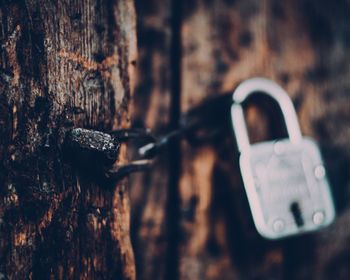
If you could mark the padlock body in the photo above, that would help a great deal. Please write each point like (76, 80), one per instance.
(287, 187)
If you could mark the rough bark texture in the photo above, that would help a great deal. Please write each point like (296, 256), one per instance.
(63, 64)
(302, 45)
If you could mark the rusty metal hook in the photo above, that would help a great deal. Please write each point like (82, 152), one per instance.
(97, 151)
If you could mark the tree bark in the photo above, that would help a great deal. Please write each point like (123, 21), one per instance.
(64, 64)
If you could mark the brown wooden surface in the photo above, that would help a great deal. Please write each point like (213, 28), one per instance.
(150, 194)
(69, 64)
(302, 45)
(62, 64)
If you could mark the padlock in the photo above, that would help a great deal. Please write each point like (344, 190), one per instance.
(285, 180)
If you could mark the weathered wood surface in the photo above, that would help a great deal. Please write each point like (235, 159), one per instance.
(63, 64)
(302, 45)
(152, 223)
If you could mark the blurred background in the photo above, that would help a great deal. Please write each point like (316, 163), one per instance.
(190, 216)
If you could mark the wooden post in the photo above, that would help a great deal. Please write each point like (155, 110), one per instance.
(63, 64)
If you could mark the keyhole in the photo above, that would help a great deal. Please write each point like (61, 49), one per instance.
(296, 212)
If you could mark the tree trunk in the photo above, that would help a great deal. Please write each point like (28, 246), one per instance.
(302, 45)
(63, 64)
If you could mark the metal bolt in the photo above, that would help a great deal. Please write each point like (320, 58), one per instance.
(278, 225)
(318, 217)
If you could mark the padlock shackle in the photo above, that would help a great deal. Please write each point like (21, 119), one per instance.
(268, 87)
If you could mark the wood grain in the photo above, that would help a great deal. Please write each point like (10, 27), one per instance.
(63, 64)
